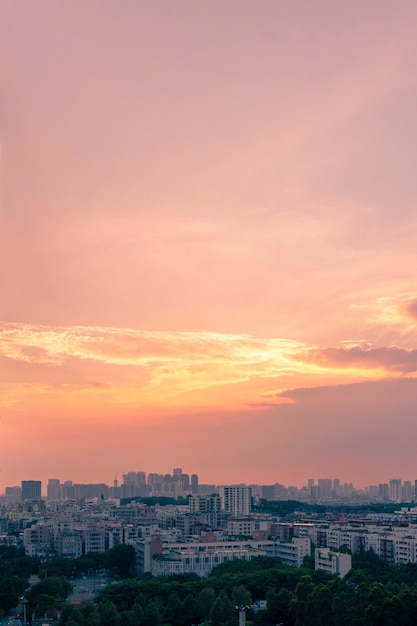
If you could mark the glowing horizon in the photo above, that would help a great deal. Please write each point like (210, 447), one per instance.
(208, 240)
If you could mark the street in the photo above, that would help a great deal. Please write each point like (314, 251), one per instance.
(86, 587)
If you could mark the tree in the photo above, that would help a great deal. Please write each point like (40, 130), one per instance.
(189, 609)
(205, 600)
(319, 606)
(222, 610)
(303, 592)
(135, 617)
(91, 614)
(45, 603)
(71, 615)
(45, 594)
(173, 610)
(121, 559)
(109, 615)
(279, 606)
(241, 596)
(152, 614)
(309, 562)
(55, 586)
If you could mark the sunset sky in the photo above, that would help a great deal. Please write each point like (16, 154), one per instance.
(208, 239)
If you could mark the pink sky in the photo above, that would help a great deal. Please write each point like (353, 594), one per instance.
(208, 240)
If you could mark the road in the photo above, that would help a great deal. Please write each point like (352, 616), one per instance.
(87, 587)
(84, 588)
(10, 620)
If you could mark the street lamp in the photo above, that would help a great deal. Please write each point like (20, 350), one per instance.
(22, 605)
(242, 614)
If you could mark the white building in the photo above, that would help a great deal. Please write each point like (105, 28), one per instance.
(241, 526)
(333, 562)
(200, 563)
(205, 503)
(292, 552)
(236, 499)
(165, 558)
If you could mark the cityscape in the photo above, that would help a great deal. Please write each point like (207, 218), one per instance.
(180, 484)
(161, 526)
(76, 519)
(208, 252)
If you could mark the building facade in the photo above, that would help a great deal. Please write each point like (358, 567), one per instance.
(236, 499)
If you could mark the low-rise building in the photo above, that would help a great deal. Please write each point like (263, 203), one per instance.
(332, 562)
(166, 558)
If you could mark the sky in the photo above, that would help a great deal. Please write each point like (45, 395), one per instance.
(208, 240)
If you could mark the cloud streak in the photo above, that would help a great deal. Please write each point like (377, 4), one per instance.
(393, 359)
(162, 366)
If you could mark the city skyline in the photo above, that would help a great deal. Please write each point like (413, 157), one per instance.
(392, 488)
(208, 239)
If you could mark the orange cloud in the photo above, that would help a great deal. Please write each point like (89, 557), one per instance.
(393, 359)
(109, 368)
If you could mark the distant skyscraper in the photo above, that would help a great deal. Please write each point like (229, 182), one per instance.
(31, 489)
(13, 494)
(325, 487)
(395, 488)
(383, 491)
(134, 478)
(194, 483)
(54, 489)
(407, 495)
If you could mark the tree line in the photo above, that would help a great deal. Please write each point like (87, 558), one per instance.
(372, 593)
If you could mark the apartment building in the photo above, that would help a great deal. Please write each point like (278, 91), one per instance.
(236, 499)
(31, 489)
(69, 544)
(38, 540)
(332, 562)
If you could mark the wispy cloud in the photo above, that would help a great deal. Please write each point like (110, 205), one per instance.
(129, 367)
(134, 366)
(393, 359)
(53, 345)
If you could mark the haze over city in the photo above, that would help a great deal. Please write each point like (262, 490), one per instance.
(208, 236)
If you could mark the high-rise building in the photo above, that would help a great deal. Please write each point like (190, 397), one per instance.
(31, 490)
(194, 483)
(236, 499)
(13, 494)
(205, 504)
(134, 478)
(407, 494)
(383, 491)
(325, 487)
(185, 482)
(54, 489)
(395, 488)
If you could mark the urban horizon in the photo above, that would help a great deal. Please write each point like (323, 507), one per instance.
(394, 489)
